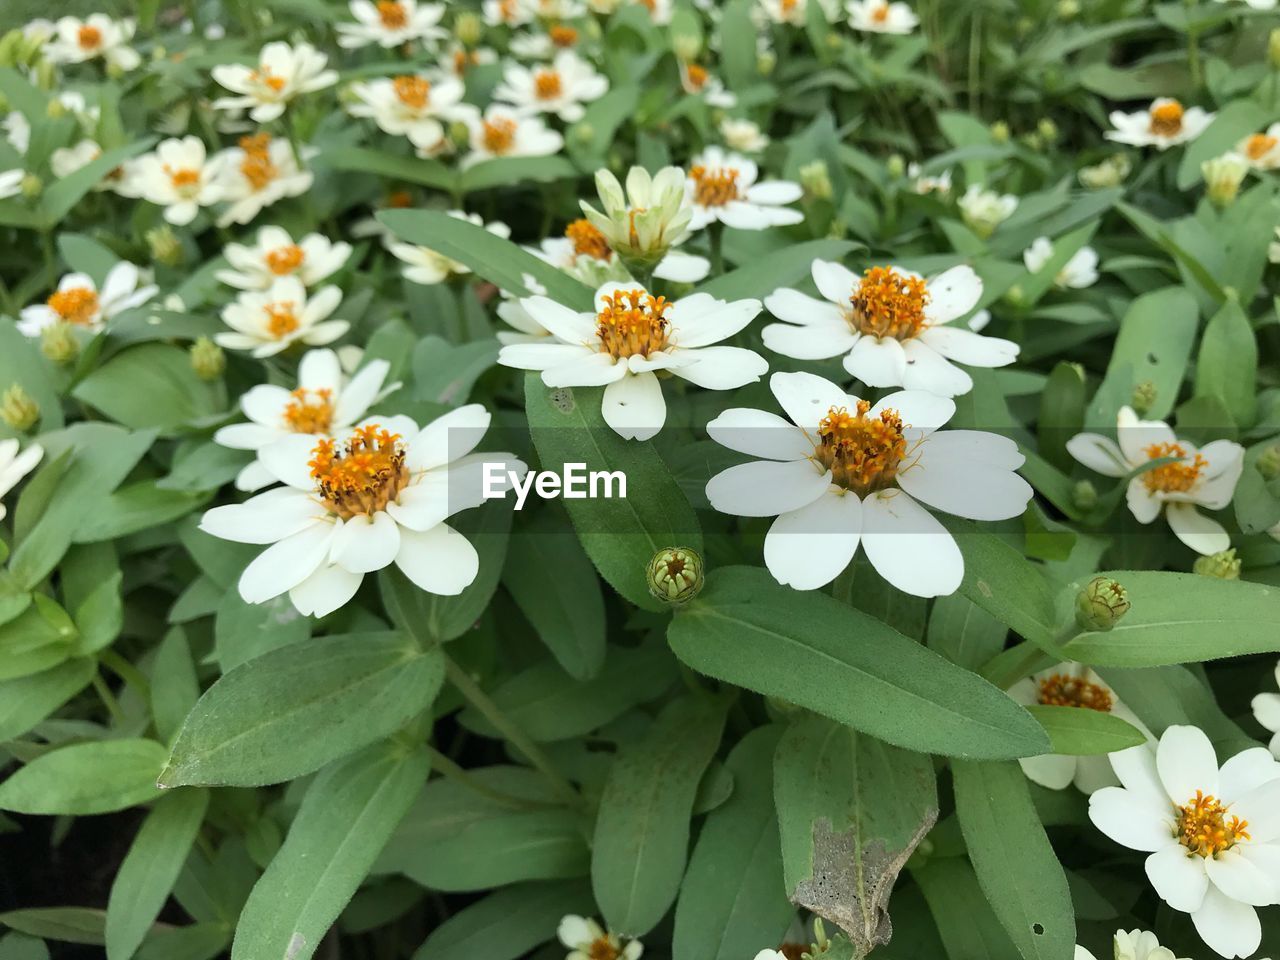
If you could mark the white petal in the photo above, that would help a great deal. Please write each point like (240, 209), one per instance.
(1178, 876)
(989, 449)
(1230, 929)
(563, 323)
(1261, 807)
(1130, 819)
(287, 458)
(542, 354)
(817, 342)
(1100, 454)
(245, 436)
(806, 398)
(1245, 771)
(774, 192)
(952, 294)
(798, 308)
(357, 395)
(760, 434)
(807, 548)
(448, 438)
(766, 488)
(877, 361)
(265, 404)
(1186, 763)
(1240, 879)
(926, 369)
(921, 411)
(284, 565)
(1136, 768)
(439, 560)
(834, 281)
(366, 544)
(1266, 706)
(969, 348)
(1200, 533)
(1142, 504)
(721, 368)
(266, 518)
(588, 370)
(325, 591)
(909, 547)
(320, 370)
(965, 488)
(1052, 771)
(633, 406)
(700, 320)
(1136, 435)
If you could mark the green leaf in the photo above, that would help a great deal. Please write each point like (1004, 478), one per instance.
(966, 924)
(152, 385)
(510, 171)
(1061, 413)
(291, 711)
(346, 817)
(1227, 367)
(139, 506)
(963, 632)
(620, 534)
(1015, 864)
(98, 776)
(1230, 125)
(85, 255)
(507, 924)
(91, 579)
(67, 924)
(22, 363)
(732, 898)
(1003, 582)
(1078, 732)
(1163, 696)
(150, 869)
(444, 372)
(38, 639)
(804, 647)
(786, 268)
(175, 688)
(244, 631)
(57, 201)
(420, 170)
(25, 701)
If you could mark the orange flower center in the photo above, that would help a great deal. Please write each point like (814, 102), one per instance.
(547, 85)
(1172, 477)
(1166, 119)
(256, 166)
(1063, 690)
(400, 200)
(714, 186)
(359, 477)
(862, 452)
(284, 260)
(788, 6)
(310, 411)
(89, 38)
(413, 92)
(77, 305)
(697, 75)
(392, 14)
(603, 949)
(1259, 145)
(563, 36)
(281, 320)
(499, 135)
(889, 304)
(588, 241)
(185, 180)
(1203, 827)
(880, 14)
(633, 323)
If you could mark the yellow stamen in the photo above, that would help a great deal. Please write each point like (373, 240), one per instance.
(310, 411)
(588, 241)
(862, 452)
(185, 180)
(498, 135)
(257, 166)
(603, 948)
(880, 14)
(1203, 827)
(889, 304)
(547, 85)
(697, 75)
(392, 14)
(281, 320)
(1166, 119)
(633, 323)
(563, 36)
(714, 186)
(413, 92)
(76, 305)
(359, 477)
(1062, 690)
(89, 38)
(284, 260)
(1259, 145)
(1172, 477)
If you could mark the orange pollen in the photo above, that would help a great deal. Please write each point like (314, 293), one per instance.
(563, 36)
(1203, 827)
(284, 260)
(714, 187)
(1062, 690)
(359, 477)
(603, 948)
(508, 10)
(632, 236)
(310, 411)
(789, 5)
(889, 304)
(547, 85)
(1172, 477)
(399, 199)
(633, 323)
(281, 320)
(650, 5)
(413, 92)
(76, 305)
(698, 76)
(264, 77)
(1166, 119)
(880, 14)
(499, 135)
(89, 38)
(184, 178)
(588, 241)
(392, 14)
(862, 452)
(257, 166)
(1259, 145)
(259, 143)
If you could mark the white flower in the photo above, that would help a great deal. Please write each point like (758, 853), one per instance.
(283, 72)
(1132, 945)
(269, 321)
(508, 13)
(1164, 124)
(1212, 833)
(458, 59)
(1262, 150)
(17, 130)
(391, 23)
(560, 88)
(259, 172)
(324, 404)
(796, 12)
(180, 178)
(698, 81)
(880, 16)
(97, 35)
(894, 326)
(502, 132)
(1256, 4)
(532, 46)
(410, 105)
(644, 221)
(660, 11)
(1266, 710)
(630, 337)
(1204, 477)
(1071, 685)
(14, 466)
(426, 266)
(1077, 273)
(11, 183)
(743, 135)
(78, 301)
(923, 184)
(984, 209)
(722, 186)
(849, 472)
(355, 506)
(274, 254)
(587, 940)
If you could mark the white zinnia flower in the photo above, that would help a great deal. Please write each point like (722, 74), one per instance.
(259, 172)
(894, 326)
(324, 404)
(560, 88)
(355, 506)
(1077, 273)
(426, 266)
(1164, 124)
(587, 940)
(410, 106)
(743, 136)
(630, 337)
(722, 186)
(984, 209)
(180, 178)
(283, 72)
(1266, 710)
(17, 130)
(643, 222)
(78, 301)
(1262, 150)
(506, 13)
(881, 16)
(67, 160)
(391, 23)
(1132, 945)
(845, 472)
(97, 35)
(14, 466)
(698, 81)
(924, 184)
(274, 254)
(796, 12)
(11, 183)
(1204, 477)
(1213, 833)
(502, 132)
(269, 321)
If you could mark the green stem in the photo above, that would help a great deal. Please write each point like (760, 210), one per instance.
(1193, 50)
(126, 671)
(715, 236)
(107, 697)
(453, 771)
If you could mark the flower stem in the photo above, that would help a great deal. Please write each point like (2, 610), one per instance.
(715, 236)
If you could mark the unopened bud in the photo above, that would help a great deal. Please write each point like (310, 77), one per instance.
(896, 165)
(32, 186)
(686, 47)
(468, 29)
(1223, 176)
(1144, 398)
(58, 343)
(10, 47)
(1268, 463)
(1273, 48)
(18, 408)
(165, 246)
(459, 133)
(207, 359)
(1047, 129)
(815, 178)
(56, 109)
(1084, 495)
(1224, 565)
(585, 133)
(1101, 604)
(675, 575)
(1068, 9)
(1015, 296)
(766, 63)
(1000, 132)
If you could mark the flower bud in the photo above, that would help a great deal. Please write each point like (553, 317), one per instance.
(896, 166)
(585, 133)
(1101, 604)
(1015, 296)
(1223, 176)
(459, 133)
(1144, 398)
(32, 186)
(1047, 129)
(1068, 9)
(675, 575)
(58, 343)
(56, 109)
(815, 178)
(1000, 132)
(1084, 495)
(10, 48)
(468, 29)
(207, 359)
(165, 246)
(1224, 565)
(686, 46)
(1273, 48)
(1268, 463)
(766, 63)
(18, 408)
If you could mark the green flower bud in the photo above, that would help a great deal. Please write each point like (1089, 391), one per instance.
(10, 48)
(766, 63)
(1084, 495)
(1000, 132)
(585, 133)
(468, 29)
(207, 359)
(459, 133)
(1047, 129)
(1273, 48)
(686, 46)
(1221, 566)
(165, 246)
(56, 109)
(32, 186)
(1101, 604)
(58, 343)
(1144, 398)
(1268, 463)
(675, 575)
(1015, 296)
(1068, 9)
(896, 166)
(815, 178)
(1223, 176)
(18, 408)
